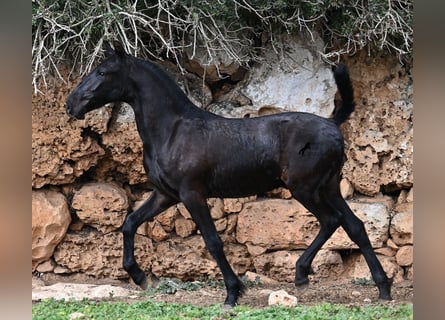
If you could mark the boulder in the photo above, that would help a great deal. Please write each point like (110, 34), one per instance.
(184, 227)
(357, 268)
(278, 265)
(375, 216)
(404, 256)
(282, 298)
(100, 255)
(379, 133)
(50, 221)
(401, 229)
(124, 146)
(294, 80)
(183, 258)
(101, 205)
(276, 224)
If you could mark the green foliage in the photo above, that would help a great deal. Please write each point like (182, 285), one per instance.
(61, 310)
(172, 285)
(363, 281)
(66, 31)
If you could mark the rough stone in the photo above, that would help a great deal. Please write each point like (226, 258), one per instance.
(213, 68)
(278, 265)
(379, 133)
(386, 251)
(196, 90)
(216, 208)
(185, 259)
(346, 188)
(276, 224)
(285, 224)
(183, 211)
(292, 80)
(235, 205)
(255, 250)
(184, 227)
(101, 205)
(125, 148)
(375, 216)
(237, 255)
(47, 266)
(78, 291)
(328, 263)
(401, 229)
(357, 268)
(167, 218)
(255, 277)
(50, 221)
(61, 152)
(221, 224)
(282, 298)
(404, 256)
(232, 220)
(156, 232)
(100, 255)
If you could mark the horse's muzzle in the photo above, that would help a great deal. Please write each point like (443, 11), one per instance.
(72, 114)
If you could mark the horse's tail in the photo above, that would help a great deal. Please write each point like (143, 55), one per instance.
(344, 85)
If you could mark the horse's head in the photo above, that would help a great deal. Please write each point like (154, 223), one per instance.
(101, 86)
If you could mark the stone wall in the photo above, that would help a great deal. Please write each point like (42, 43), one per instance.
(88, 174)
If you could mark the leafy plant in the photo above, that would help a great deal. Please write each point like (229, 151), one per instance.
(363, 281)
(61, 310)
(66, 32)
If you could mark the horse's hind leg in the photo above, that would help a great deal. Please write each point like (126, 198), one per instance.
(329, 222)
(355, 229)
(156, 204)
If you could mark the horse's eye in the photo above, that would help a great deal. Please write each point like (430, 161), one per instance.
(101, 73)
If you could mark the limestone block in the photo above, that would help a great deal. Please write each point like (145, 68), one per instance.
(375, 216)
(100, 255)
(401, 229)
(101, 205)
(50, 221)
(357, 268)
(184, 227)
(278, 265)
(299, 82)
(276, 224)
(404, 256)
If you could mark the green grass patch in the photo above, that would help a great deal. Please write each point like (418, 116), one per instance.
(109, 310)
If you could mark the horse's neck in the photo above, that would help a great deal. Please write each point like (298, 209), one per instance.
(158, 104)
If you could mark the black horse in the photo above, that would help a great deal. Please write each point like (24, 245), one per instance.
(191, 155)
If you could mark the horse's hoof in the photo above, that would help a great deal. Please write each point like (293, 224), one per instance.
(385, 298)
(144, 284)
(227, 310)
(302, 283)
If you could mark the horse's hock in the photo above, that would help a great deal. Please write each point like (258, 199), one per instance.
(94, 168)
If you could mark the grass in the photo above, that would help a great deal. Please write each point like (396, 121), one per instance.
(115, 310)
(109, 310)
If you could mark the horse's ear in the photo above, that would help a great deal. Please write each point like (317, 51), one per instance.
(108, 50)
(119, 49)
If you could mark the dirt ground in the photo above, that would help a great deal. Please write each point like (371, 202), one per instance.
(340, 291)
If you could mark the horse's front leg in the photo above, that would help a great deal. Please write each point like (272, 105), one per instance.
(196, 204)
(154, 205)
